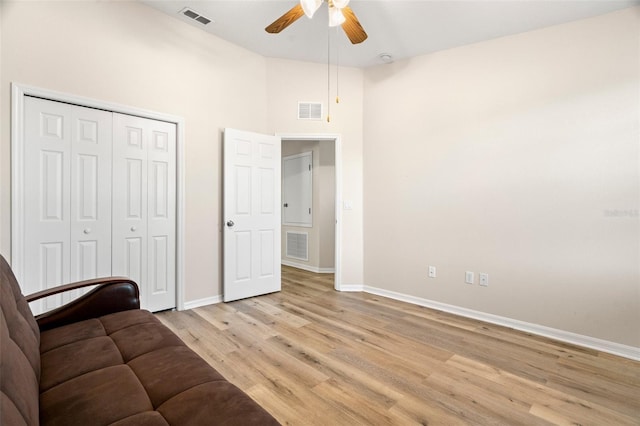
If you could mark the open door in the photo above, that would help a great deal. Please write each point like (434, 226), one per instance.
(251, 214)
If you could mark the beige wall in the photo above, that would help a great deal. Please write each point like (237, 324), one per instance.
(327, 206)
(128, 53)
(321, 235)
(289, 82)
(517, 157)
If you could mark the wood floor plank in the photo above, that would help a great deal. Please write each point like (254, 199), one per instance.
(545, 400)
(414, 411)
(491, 407)
(313, 356)
(356, 380)
(218, 317)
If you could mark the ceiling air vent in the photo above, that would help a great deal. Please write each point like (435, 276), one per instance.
(190, 13)
(309, 110)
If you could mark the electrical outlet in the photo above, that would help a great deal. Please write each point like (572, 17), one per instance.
(432, 271)
(484, 279)
(468, 277)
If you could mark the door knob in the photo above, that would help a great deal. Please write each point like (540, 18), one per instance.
(133, 229)
(230, 223)
(87, 230)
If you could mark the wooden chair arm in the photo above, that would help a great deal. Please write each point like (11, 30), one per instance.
(73, 286)
(112, 294)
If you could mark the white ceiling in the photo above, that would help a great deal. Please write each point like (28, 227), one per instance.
(400, 28)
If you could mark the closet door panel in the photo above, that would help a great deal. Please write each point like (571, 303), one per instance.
(90, 194)
(47, 150)
(161, 215)
(129, 224)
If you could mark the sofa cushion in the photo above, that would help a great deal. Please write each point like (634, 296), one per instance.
(19, 354)
(174, 361)
(113, 323)
(18, 381)
(18, 300)
(9, 413)
(87, 355)
(227, 406)
(75, 332)
(20, 327)
(142, 339)
(100, 397)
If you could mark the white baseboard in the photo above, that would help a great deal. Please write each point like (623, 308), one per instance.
(614, 348)
(202, 302)
(309, 268)
(351, 287)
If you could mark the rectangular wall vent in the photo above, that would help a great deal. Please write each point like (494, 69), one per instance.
(190, 13)
(297, 245)
(309, 110)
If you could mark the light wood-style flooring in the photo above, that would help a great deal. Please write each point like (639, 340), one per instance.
(313, 356)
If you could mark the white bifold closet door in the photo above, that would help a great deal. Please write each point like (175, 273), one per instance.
(99, 200)
(144, 206)
(67, 234)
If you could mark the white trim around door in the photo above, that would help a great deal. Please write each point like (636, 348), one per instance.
(338, 212)
(18, 92)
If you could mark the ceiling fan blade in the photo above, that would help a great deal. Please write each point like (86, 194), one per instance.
(352, 26)
(285, 20)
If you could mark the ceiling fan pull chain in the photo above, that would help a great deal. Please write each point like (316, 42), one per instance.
(337, 68)
(328, 74)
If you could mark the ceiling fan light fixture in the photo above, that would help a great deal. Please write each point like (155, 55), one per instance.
(344, 17)
(310, 7)
(335, 17)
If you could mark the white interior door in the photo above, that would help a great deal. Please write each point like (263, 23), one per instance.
(251, 214)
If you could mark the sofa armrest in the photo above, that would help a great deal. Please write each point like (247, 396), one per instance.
(112, 294)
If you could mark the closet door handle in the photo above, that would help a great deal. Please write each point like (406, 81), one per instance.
(230, 224)
(87, 231)
(133, 229)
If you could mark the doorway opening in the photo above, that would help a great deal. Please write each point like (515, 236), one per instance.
(321, 238)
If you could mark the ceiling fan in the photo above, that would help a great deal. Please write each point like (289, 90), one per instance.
(339, 14)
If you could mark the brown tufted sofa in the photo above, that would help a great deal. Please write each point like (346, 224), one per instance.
(100, 360)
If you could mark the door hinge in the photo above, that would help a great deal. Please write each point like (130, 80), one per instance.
(309, 167)
(309, 210)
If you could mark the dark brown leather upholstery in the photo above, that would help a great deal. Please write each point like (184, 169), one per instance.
(111, 295)
(124, 369)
